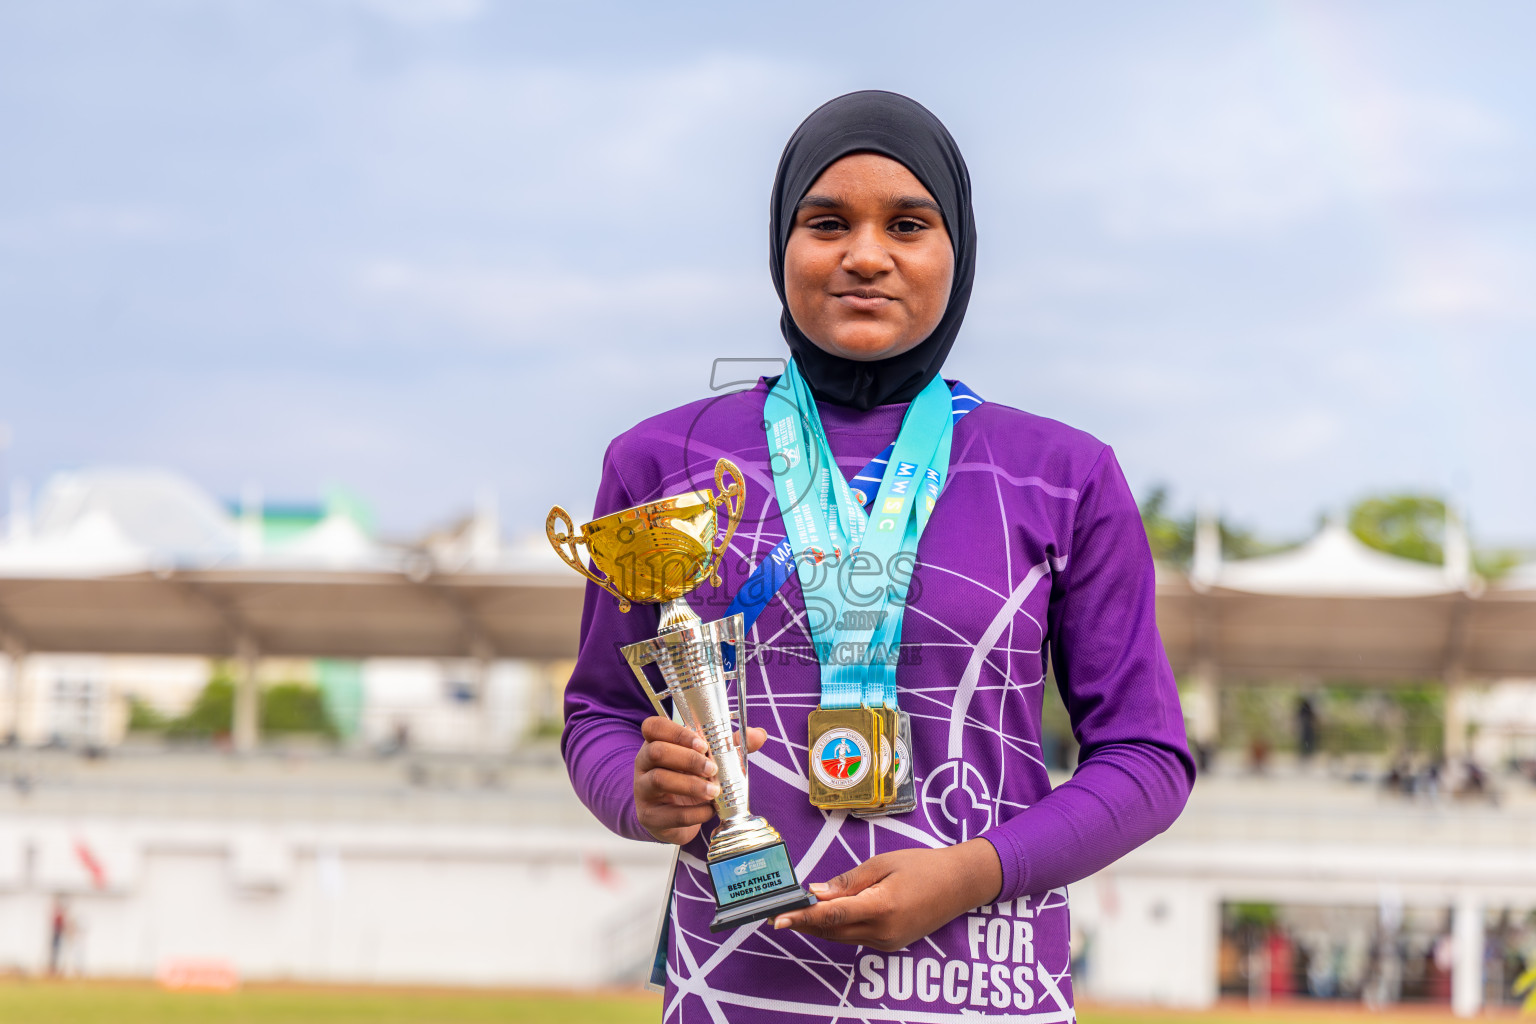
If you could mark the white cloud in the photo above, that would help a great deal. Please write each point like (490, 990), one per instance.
(522, 305)
(1295, 436)
(1139, 384)
(423, 12)
(1265, 279)
(587, 142)
(1243, 144)
(77, 223)
(127, 222)
(1462, 280)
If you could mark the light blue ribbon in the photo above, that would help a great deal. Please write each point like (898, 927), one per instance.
(773, 571)
(844, 556)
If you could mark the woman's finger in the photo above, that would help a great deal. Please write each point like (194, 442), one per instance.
(756, 737)
(659, 782)
(667, 731)
(663, 754)
(855, 880)
(834, 918)
(665, 817)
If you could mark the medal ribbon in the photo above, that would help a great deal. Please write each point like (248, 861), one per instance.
(773, 571)
(858, 652)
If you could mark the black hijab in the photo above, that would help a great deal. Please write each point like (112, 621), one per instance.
(874, 121)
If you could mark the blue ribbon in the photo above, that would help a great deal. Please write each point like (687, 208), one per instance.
(773, 571)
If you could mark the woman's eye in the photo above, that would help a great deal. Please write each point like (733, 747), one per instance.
(908, 227)
(825, 224)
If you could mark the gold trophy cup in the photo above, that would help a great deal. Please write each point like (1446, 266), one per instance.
(657, 553)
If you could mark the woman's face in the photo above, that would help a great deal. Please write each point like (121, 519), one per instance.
(869, 264)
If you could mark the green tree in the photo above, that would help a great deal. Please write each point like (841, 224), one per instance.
(1253, 915)
(211, 715)
(1492, 563)
(1413, 526)
(285, 708)
(295, 708)
(1172, 538)
(1405, 525)
(1423, 708)
(143, 716)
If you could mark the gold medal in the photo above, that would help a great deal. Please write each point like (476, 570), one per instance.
(903, 789)
(845, 758)
(889, 724)
(904, 797)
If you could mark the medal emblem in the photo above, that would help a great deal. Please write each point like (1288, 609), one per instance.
(840, 759)
(844, 752)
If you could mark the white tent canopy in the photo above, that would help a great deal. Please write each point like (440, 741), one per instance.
(90, 544)
(118, 521)
(335, 542)
(160, 513)
(1335, 563)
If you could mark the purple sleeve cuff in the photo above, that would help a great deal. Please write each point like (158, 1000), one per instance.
(1011, 856)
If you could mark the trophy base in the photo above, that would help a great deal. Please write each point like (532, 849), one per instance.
(754, 885)
(761, 910)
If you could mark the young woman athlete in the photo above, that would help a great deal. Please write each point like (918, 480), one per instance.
(1031, 558)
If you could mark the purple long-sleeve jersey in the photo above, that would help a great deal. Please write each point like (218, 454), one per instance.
(1035, 550)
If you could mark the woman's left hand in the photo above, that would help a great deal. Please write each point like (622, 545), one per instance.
(892, 900)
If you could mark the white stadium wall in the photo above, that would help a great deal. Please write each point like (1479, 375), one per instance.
(421, 905)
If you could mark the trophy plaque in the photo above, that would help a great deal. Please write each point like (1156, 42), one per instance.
(657, 553)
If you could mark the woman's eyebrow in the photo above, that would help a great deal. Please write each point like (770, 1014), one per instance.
(916, 203)
(815, 202)
(820, 202)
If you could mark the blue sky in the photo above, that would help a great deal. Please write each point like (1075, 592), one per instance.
(1279, 255)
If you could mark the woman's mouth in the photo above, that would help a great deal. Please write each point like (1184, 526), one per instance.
(864, 299)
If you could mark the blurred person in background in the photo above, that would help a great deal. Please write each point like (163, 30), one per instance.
(1306, 728)
(1384, 979)
(1035, 546)
(61, 929)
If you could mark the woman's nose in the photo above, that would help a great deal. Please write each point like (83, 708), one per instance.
(866, 257)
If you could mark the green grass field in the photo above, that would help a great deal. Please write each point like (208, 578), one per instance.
(136, 1003)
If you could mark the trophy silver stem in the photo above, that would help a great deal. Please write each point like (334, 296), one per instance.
(687, 652)
(696, 681)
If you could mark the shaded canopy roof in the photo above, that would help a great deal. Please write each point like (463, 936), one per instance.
(310, 613)
(1335, 608)
(143, 562)
(95, 578)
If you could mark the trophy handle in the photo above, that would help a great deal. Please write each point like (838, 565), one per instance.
(564, 542)
(733, 498)
(638, 656)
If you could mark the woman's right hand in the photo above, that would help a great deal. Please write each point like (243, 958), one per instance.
(675, 779)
